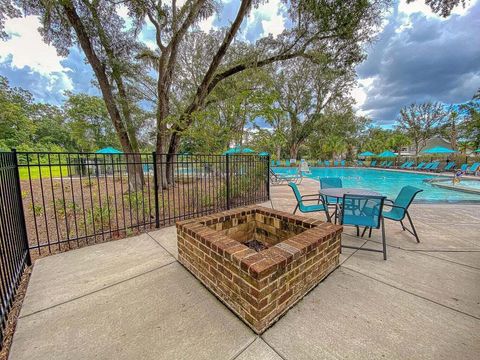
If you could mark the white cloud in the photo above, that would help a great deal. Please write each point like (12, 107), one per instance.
(269, 14)
(420, 6)
(207, 24)
(25, 47)
(359, 93)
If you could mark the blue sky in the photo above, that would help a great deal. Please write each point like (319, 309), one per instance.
(418, 56)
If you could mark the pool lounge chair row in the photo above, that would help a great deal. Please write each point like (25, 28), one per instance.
(374, 163)
(326, 163)
(335, 163)
(435, 166)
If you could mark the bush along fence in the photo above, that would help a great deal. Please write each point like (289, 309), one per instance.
(76, 199)
(14, 252)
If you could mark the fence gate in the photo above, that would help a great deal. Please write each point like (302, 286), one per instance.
(14, 252)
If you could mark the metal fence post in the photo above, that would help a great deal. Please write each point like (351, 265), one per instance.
(23, 224)
(227, 167)
(268, 177)
(155, 190)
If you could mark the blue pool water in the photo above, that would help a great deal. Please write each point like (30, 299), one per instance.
(388, 183)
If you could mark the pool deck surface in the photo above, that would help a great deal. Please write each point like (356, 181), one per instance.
(131, 299)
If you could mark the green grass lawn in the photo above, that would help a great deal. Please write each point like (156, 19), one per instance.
(56, 171)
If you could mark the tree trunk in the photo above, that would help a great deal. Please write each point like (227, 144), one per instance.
(134, 168)
(293, 151)
(278, 151)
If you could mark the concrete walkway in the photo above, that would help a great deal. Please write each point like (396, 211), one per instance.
(131, 299)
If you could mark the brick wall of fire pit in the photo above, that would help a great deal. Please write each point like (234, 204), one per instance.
(258, 261)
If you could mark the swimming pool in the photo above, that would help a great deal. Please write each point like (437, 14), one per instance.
(388, 183)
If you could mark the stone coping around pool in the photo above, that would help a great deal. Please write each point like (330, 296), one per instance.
(458, 187)
(259, 286)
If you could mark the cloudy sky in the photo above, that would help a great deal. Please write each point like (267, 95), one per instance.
(417, 57)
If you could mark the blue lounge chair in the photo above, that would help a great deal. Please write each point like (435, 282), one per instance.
(399, 208)
(373, 163)
(364, 211)
(287, 163)
(281, 179)
(434, 166)
(318, 206)
(473, 168)
(279, 163)
(272, 163)
(319, 162)
(449, 166)
(359, 163)
(428, 166)
(410, 164)
(404, 165)
(342, 163)
(464, 167)
(327, 163)
(335, 163)
(389, 164)
(420, 166)
(382, 163)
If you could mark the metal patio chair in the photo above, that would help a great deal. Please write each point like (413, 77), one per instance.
(301, 200)
(364, 211)
(399, 208)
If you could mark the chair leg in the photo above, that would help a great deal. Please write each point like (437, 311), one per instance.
(413, 227)
(358, 230)
(370, 233)
(364, 231)
(329, 219)
(403, 226)
(384, 241)
(296, 207)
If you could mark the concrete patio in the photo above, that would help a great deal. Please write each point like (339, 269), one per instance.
(131, 299)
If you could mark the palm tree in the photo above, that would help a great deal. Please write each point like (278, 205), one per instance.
(397, 141)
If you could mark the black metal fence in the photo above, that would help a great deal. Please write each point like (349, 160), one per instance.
(75, 199)
(14, 253)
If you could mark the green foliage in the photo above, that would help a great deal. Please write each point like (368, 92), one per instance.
(82, 123)
(470, 128)
(135, 199)
(89, 122)
(37, 210)
(99, 215)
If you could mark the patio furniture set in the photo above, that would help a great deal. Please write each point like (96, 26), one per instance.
(360, 208)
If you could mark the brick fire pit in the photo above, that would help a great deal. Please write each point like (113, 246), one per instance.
(258, 261)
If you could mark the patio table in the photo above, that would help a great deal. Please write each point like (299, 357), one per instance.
(339, 192)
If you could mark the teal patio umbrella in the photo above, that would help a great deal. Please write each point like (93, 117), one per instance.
(439, 150)
(366, 153)
(264, 153)
(108, 150)
(238, 150)
(387, 154)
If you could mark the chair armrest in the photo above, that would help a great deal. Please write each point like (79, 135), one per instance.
(391, 201)
(317, 196)
(395, 206)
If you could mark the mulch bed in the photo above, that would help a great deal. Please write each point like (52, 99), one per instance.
(83, 209)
